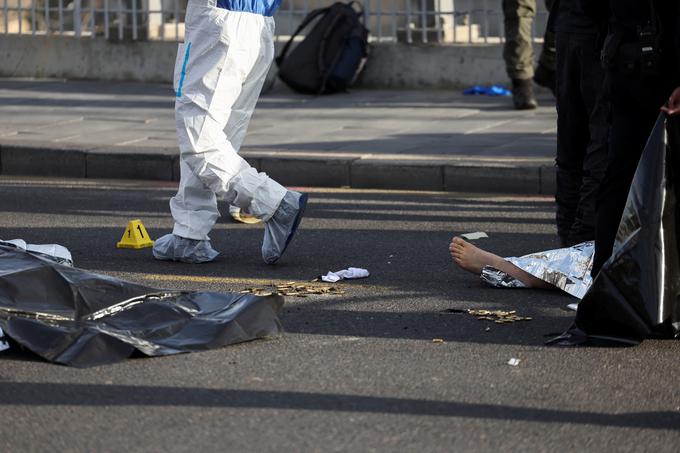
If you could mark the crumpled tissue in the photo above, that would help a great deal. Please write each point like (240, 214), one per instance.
(345, 274)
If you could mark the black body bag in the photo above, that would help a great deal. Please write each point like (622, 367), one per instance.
(332, 54)
(636, 295)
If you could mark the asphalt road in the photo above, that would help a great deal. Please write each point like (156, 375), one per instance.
(356, 372)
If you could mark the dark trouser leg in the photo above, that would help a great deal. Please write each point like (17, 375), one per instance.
(595, 153)
(545, 70)
(572, 135)
(548, 57)
(634, 109)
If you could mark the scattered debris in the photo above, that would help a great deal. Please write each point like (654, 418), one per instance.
(295, 289)
(438, 340)
(513, 362)
(488, 329)
(475, 235)
(498, 316)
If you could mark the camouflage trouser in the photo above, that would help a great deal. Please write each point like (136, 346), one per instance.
(517, 51)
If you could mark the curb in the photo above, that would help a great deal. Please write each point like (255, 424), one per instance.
(320, 169)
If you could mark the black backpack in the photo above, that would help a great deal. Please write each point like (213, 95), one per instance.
(331, 56)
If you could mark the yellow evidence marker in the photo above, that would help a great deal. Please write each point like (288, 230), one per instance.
(135, 236)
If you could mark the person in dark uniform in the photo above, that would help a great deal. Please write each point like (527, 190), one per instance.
(582, 129)
(642, 57)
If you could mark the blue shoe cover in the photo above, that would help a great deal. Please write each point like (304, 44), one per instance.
(280, 229)
(176, 248)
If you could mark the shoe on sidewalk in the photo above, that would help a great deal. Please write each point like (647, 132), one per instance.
(523, 94)
(545, 77)
(176, 248)
(280, 229)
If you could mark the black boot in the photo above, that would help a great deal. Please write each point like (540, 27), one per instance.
(523, 94)
(545, 78)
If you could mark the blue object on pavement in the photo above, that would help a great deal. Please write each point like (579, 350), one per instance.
(493, 90)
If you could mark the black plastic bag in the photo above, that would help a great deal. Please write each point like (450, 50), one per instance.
(74, 317)
(636, 295)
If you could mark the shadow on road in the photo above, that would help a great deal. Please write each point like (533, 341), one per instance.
(40, 394)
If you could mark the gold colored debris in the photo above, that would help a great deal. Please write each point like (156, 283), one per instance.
(258, 291)
(295, 289)
(437, 340)
(498, 316)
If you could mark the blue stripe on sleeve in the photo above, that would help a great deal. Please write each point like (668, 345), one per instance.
(184, 70)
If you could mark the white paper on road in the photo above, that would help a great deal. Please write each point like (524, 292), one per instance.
(3, 341)
(475, 235)
(348, 274)
(57, 252)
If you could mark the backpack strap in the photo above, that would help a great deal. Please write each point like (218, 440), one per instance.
(361, 14)
(322, 47)
(307, 20)
(322, 53)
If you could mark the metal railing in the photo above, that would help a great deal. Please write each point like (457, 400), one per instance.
(409, 21)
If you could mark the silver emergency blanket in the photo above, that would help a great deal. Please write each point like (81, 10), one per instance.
(75, 317)
(567, 268)
(55, 252)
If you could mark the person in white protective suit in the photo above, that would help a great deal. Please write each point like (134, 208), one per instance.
(219, 73)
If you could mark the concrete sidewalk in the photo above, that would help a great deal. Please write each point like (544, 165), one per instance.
(431, 140)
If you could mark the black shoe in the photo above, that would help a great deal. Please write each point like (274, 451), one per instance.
(523, 94)
(545, 78)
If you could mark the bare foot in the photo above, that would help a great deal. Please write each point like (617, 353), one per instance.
(473, 259)
(469, 257)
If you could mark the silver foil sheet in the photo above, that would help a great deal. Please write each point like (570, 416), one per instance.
(568, 269)
(53, 252)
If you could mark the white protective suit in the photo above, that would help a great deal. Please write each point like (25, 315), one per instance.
(219, 73)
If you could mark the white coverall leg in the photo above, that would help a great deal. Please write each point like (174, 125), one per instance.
(219, 74)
